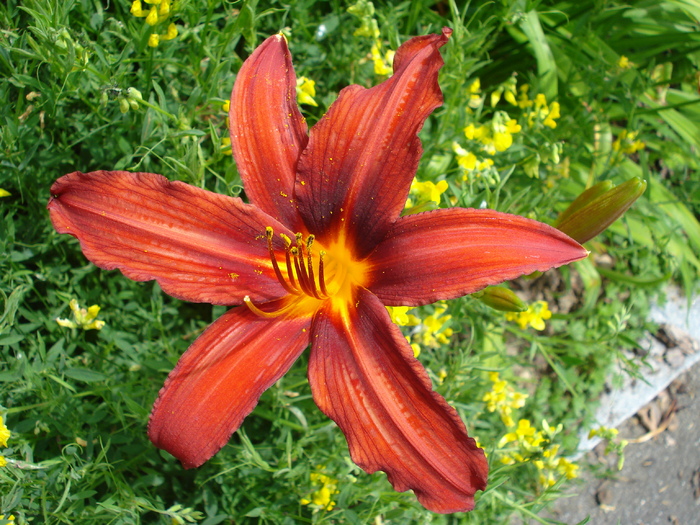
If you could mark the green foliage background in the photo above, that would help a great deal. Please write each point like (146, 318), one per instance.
(77, 402)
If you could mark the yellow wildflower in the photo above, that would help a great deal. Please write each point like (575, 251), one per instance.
(400, 316)
(306, 91)
(603, 432)
(466, 159)
(9, 518)
(567, 468)
(503, 399)
(550, 119)
(82, 318)
(322, 497)
(432, 329)
(523, 99)
(158, 12)
(364, 11)
(226, 146)
(475, 97)
(382, 64)
(524, 432)
(502, 141)
(534, 316)
(626, 142)
(4, 193)
(4, 433)
(428, 191)
(624, 62)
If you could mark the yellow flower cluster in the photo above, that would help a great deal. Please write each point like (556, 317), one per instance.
(624, 62)
(9, 518)
(364, 11)
(433, 332)
(158, 12)
(529, 444)
(627, 142)
(618, 447)
(535, 316)
(503, 399)
(506, 90)
(540, 111)
(321, 498)
(82, 318)
(474, 166)
(496, 136)
(306, 91)
(4, 436)
(430, 331)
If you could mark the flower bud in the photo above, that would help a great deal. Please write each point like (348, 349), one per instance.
(598, 207)
(501, 298)
(587, 197)
(123, 105)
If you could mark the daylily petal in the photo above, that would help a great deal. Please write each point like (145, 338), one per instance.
(362, 155)
(267, 129)
(363, 376)
(220, 378)
(198, 245)
(444, 254)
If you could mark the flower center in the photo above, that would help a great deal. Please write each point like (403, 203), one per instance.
(313, 274)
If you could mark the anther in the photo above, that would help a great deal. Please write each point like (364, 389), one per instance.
(275, 267)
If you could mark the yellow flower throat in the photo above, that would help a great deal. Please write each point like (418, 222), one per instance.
(311, 274)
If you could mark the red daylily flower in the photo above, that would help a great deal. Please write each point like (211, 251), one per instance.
(315, 257)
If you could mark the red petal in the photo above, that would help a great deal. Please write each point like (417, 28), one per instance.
(362, 156)
(444, 254)
(363, 376)
(198, 245)
(267, 129)
(219, 380)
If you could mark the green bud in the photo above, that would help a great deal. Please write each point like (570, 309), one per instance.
(133, 94)
(584, 199)
(500, 298)
(599, 209)
(123, 105)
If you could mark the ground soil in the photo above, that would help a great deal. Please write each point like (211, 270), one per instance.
(660, 481)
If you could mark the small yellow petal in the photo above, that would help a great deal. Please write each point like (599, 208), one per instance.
(152, 18)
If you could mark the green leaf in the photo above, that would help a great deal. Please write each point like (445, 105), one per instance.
(85, 375)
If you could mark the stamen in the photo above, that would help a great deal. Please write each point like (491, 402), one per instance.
(321, 275)
(273, 258)
(301, 271)
(312, 279)
(257, 311)
(300, 277)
